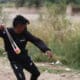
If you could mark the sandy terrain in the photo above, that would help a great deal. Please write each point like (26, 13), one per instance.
(6, 72)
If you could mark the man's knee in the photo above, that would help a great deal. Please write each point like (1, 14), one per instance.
(36, 74)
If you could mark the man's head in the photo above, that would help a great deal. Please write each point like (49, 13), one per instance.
(20, 23)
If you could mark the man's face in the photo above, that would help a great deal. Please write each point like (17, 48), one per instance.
(20, 28)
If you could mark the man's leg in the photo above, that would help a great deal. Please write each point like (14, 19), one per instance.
(18, 70)
(30, 66)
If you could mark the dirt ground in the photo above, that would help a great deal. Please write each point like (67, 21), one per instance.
(6, 72)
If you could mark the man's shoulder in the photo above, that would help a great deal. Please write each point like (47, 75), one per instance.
(27, 32)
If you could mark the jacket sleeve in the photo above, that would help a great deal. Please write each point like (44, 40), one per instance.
(38, 42)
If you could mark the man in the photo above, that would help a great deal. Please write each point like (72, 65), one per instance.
(21, 36)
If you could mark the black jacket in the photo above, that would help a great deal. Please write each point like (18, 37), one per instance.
(21, 40)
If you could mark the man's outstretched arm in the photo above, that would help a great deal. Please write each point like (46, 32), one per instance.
(40, 44)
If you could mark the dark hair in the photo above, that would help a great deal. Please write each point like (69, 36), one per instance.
(20, 20)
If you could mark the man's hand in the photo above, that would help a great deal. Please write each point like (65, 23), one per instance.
(1, 27)
(49, 54)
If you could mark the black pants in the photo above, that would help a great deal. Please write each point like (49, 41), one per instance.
(29, 66)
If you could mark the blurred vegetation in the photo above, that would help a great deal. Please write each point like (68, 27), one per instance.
(61, 35)
(38, 3)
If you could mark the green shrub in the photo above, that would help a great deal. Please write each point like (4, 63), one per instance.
(2, 52)
(61, 35)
